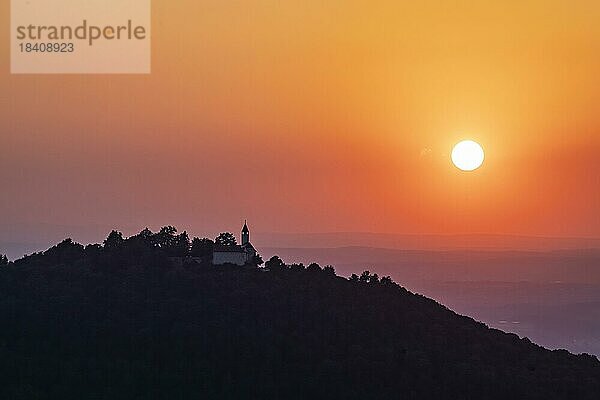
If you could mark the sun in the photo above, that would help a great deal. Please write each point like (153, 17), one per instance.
(467, 155)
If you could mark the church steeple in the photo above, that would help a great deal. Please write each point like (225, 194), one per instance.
(245, 234)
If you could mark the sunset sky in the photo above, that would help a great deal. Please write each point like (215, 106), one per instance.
(317, 116)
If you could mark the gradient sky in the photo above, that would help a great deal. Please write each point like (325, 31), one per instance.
(312, 116)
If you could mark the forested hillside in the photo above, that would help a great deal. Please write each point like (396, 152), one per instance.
(121, 321)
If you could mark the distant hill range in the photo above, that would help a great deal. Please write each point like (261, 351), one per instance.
(119, 321)
(575, 266)
(423, 242)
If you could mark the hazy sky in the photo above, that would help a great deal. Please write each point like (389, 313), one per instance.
(319, 116)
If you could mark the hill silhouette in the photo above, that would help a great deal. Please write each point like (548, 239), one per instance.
(122, 321)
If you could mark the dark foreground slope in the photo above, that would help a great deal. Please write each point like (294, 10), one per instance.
(83, 325)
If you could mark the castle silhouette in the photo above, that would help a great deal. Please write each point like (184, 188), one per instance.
(241, 254)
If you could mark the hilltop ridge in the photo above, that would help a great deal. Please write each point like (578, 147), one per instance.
(118, 320)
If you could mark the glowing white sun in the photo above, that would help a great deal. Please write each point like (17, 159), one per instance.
(467, 155)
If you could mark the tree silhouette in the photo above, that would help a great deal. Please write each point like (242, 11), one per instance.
(64, 251)
(275, 264)
(386, 280)
(114, 239)
(146, 235)
(226, 239)
(181, 245)
(364, 277)
(313, 267)
(202, 247)
(165, 238)
(3, 260)
(329, 270)
(374, 278)
(297, 267)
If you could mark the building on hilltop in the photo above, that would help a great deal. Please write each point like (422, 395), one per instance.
(241, 254)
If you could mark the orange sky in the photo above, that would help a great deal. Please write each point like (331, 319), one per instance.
(320, 116)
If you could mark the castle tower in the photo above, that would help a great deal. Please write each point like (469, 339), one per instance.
(245, 234)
